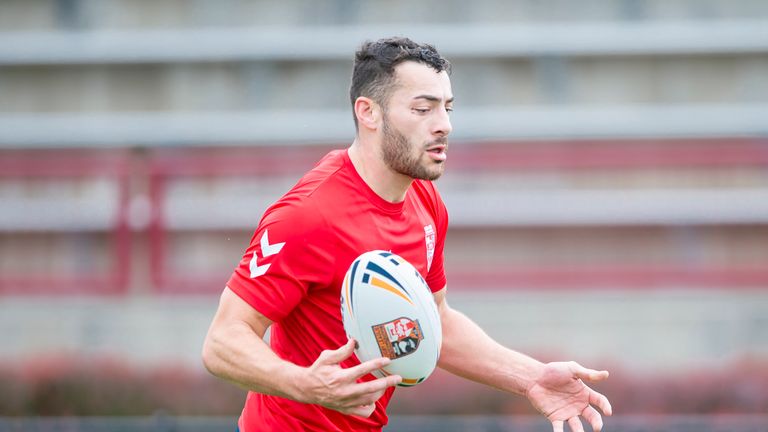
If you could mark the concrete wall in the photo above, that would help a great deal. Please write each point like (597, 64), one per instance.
(655, 331)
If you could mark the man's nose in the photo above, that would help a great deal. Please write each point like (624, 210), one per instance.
(442, 125)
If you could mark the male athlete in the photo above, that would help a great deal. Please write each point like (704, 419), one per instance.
(376, 194)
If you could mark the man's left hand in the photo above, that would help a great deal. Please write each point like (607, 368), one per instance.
(561, 395)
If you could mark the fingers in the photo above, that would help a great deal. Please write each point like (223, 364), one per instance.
(367, 367)
(593, 402)
(378, 385)
(356, 398)
(366, 393)
(595, 398)
(575, 424)
(593, 417)
(557, 426)
(338, 388)
(360, 399)
(338, 355)
(362, 402)
(601, 402)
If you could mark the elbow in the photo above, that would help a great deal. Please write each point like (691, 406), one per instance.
(209, 357)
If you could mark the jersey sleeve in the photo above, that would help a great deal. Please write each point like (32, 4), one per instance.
(283, 261)
(436, 278)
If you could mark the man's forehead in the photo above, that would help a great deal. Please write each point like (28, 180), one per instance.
(418, 79)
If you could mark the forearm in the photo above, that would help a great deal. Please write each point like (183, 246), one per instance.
(237, 354)
(469, 352)
(234, 350)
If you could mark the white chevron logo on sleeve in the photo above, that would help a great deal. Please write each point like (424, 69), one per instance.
(266, 250)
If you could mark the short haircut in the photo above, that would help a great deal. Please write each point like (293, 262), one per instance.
(373, 74)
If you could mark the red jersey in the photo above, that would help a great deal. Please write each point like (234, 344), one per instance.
(293, 270)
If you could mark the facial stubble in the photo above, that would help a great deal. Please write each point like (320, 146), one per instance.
(397, 152)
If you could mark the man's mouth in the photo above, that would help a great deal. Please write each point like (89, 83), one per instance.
(438, 152)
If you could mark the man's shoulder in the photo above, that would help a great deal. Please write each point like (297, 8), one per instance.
(324, 174)
(326, 168)
(301, 205)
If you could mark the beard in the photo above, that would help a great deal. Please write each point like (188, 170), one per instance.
(397, 152)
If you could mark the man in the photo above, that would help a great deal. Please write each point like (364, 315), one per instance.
(377, 194)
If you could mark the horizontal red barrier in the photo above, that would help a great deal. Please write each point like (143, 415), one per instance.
(152, 169)
(610, 277)
(53, 166)
(493, 155)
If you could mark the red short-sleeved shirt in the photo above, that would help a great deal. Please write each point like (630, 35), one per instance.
(293, 269)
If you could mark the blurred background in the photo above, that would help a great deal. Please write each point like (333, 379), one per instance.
(607, 186)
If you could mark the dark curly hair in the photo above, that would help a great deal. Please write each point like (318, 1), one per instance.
(373, 74)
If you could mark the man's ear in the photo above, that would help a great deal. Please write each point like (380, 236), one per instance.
(368, 113)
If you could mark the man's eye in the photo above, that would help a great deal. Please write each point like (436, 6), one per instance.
(421, 110)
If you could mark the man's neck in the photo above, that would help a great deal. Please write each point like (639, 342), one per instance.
(389, 185)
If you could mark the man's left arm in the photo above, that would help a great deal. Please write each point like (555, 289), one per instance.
(557, 390)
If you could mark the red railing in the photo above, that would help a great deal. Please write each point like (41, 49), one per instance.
(611, 154)
(494, 156)
(649, 276)
(63, 165)
(157, 168)
(167, 165)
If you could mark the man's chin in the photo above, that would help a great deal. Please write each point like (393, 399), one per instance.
(433, 175)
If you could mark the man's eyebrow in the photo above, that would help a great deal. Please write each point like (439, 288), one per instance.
(432, 98)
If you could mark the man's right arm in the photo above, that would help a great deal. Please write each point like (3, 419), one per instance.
(234, 350)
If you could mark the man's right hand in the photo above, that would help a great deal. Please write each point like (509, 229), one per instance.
(326, 383)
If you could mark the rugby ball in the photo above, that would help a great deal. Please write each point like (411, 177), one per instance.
(387, 307)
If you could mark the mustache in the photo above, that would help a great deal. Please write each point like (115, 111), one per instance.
(439, 141)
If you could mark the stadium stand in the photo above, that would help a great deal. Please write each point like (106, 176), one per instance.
(610, 155)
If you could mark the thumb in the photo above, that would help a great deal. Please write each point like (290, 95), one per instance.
(338, 355)
(589, 374)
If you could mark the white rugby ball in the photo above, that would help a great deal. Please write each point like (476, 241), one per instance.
(389, 310)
